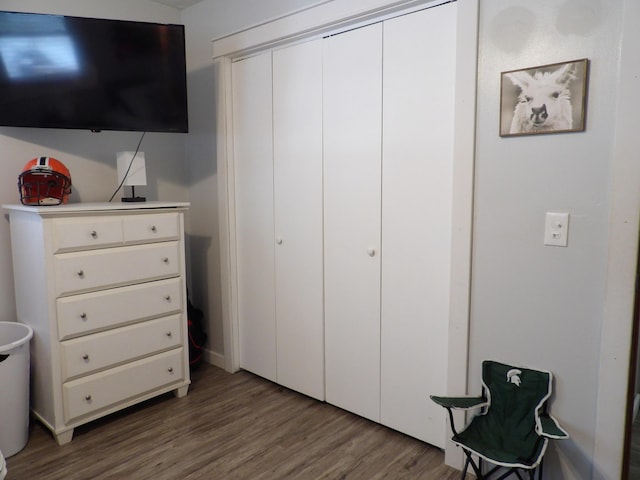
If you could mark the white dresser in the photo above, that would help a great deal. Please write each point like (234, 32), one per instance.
(103, 286)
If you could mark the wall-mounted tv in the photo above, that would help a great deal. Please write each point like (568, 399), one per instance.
(95, 74)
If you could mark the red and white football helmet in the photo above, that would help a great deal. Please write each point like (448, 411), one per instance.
(44, 181)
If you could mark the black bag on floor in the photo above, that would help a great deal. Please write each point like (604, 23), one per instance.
(197, 335)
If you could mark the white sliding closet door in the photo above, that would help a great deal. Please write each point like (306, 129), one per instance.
(352, 156)
(253, 160)
(297, 137)
(419, 86)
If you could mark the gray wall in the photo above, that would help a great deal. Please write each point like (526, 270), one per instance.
(533, 304)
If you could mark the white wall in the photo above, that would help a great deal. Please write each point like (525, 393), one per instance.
(203, 22)
(89, 156)
(532, 304)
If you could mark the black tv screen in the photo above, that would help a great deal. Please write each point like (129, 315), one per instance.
(95, 74)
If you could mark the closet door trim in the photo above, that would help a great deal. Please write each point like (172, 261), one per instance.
(327, 18)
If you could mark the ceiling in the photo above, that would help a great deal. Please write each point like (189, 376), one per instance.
(179, 4)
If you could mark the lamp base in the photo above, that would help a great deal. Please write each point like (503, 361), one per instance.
(134, 197)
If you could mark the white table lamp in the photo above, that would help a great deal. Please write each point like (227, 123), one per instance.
(134, 169)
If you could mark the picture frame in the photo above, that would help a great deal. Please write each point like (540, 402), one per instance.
(544, 99)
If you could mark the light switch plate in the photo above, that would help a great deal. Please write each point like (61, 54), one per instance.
(556, 229)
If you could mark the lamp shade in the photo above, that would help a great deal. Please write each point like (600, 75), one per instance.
(137, 174)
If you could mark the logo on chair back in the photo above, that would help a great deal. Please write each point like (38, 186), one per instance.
(513, 376)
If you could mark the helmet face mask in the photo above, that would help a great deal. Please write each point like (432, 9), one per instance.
(44, 181)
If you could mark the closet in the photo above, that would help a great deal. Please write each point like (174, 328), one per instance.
(343, 154)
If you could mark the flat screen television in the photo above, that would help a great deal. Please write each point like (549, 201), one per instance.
(95, 74)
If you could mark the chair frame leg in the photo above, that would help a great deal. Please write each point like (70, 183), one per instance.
(539, 469)
(476, 469)
(464, 470)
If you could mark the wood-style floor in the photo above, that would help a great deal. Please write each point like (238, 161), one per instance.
(229, 427)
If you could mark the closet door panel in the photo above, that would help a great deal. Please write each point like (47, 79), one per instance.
(253, 160)
(419, 81)
(297, 136)
(352, 156)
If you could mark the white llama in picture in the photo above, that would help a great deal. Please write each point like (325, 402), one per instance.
(544, 100)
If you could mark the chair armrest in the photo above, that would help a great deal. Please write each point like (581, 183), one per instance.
(550, 428)
(460, 403)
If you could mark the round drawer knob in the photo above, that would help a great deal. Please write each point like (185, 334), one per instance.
(169, 334)
(87, 398)
(94, 234)
(170, 369)
(85, 356)
(83, 316)
(154, 229)
(371, 252)
(167, 298)
(80, 273)
(165, 260)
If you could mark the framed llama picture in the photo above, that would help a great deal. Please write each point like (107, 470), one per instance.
(544, 99)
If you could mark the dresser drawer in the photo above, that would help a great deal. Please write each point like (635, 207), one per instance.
(99, 269)
(91, 353)
(108, 388)
(92, 312)
(158, 227)
(85, 233)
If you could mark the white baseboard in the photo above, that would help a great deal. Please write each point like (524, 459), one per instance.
(214, 358)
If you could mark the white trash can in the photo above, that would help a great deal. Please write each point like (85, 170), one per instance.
(3, 467)
(14, 386)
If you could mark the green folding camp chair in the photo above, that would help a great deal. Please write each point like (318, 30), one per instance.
(513, 429)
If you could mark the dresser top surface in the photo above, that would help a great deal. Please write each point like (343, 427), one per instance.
(95, 207)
